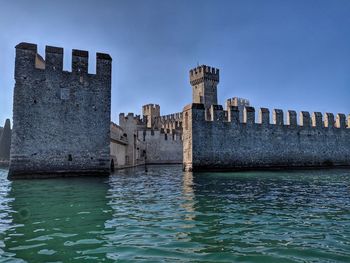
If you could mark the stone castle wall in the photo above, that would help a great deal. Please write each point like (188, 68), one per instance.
(216, 144)
(171, 122)
(61, 119)
(119, 145)
(154, 138)
(161, 147)
(130, 124)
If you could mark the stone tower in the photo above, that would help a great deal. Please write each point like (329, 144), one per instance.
(61, 119)
(5, 141)
(238, 102)
(204, 81)
(151, 112)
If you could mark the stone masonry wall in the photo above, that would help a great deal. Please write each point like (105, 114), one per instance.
(160, 147)
(215, 144)
(130, 124)
(171, 122)
(61, 119)
(119, 145)
(204, 81)
(5, 141)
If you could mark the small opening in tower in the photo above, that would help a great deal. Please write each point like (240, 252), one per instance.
(70, 158)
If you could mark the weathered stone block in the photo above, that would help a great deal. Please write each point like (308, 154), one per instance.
(217, 113)
(305, 119)
(278, 117)
(317, 119)
(329, 120)
(292, 118)
(249, 115)
(340, 121)
(264, 116)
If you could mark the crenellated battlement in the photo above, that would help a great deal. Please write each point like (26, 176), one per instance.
(173, 117)
(28, 59)
(202, 73)
(171, 122)
(131, 118)
(151, 113)
(236, 101)
(152, 135)
(150, 107)
(315, 119)
(219, 140)
(204, 81)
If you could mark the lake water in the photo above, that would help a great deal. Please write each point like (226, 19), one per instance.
(166, 215)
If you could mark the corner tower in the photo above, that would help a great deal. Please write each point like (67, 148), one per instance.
(151, 112)
(204, 81)
(61, 119)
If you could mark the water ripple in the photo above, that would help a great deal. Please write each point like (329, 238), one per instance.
(166, 215)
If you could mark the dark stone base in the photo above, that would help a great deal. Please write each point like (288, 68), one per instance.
(15, 175)
(4, 164)
(262, 168)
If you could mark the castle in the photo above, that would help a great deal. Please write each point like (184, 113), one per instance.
(152, 139)
(61, 119)
(62, 125)
(157, 139)
(231, 139)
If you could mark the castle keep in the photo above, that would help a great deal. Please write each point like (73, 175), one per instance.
(61, 119)
(218, 139)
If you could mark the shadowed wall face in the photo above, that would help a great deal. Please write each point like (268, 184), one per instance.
(5, 141)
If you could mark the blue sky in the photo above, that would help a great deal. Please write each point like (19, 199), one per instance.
(278, 54)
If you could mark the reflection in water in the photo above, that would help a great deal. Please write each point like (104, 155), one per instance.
(57, 219)
(5, 219)
(188, 196)
(262, 216)
(165, 215)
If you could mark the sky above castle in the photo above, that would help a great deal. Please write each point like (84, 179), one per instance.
(291, 54)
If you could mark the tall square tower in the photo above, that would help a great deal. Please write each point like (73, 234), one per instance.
(61, 119)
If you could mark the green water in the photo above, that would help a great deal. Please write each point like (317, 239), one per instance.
(166, 215)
